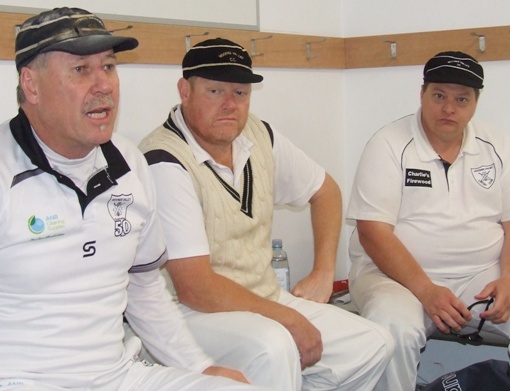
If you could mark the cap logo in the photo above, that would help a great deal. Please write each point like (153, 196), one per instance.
(233, 58)
(458, 63)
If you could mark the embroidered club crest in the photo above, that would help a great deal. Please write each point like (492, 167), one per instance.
(485, 176)
(117, 206)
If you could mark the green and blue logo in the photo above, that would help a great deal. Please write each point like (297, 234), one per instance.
(35, 225)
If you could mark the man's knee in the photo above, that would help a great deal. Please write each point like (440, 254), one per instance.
(275, 343)
(404, 321)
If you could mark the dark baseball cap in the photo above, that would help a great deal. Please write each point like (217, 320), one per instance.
(219, 59)
(70, 30)
(455, 68)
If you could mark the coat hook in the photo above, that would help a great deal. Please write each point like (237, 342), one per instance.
(481, 41)
(309, 48)
(393, 48)
(188, 39)
(253, 52)
(128, 27)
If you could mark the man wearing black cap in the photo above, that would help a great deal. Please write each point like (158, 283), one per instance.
(219, 172)
(431, 199)
(80, 243)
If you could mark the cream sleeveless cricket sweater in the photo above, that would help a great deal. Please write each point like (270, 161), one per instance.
(237, 222)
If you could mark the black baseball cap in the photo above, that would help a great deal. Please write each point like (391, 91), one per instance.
(455, 68)
(219, 59)
(71, 30)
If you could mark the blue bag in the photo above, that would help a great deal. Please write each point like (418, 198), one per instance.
(490, 375)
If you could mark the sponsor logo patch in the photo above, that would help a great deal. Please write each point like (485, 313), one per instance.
(46, 226)
(418, 178)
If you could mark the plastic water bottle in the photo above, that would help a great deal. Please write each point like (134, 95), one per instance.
(280, 264)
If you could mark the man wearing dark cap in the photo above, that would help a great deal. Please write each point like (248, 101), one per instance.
(431, 201)
(219, 172)
(80, 244)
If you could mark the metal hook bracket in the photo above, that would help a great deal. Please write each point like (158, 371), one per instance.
(481, 41)
(393, 48)
(188, 39)
(309, 55)
(253, 51)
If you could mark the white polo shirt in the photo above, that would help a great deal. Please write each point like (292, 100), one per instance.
(66, 257)
(449, 221)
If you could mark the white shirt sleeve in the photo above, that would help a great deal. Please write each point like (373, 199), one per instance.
(297, 177)
(157, 320)
(180, 211)
(377, 188)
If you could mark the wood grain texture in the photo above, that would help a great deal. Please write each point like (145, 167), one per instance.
(166, 44)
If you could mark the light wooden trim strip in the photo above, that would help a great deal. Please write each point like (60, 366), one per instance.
(417, 48)
(166, 44)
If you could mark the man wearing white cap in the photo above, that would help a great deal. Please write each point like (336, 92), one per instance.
(80, 243)
(219, 172)
(431, 201)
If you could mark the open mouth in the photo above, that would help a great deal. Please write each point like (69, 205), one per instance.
(98, 114)
(99, 108)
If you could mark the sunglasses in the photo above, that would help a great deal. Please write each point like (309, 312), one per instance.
(475, 338)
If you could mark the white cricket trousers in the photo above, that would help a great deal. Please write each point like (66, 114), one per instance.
(155, 378)
(356, 351)
(134, 375)
(384, 301)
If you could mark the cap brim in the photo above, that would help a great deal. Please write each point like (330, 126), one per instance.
(229, 75)
(92, 44)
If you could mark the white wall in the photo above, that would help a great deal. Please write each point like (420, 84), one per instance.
(330, 114)
(369, 17)
(241, 13)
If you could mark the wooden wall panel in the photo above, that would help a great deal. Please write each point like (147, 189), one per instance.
(166, 44)
(417, 48)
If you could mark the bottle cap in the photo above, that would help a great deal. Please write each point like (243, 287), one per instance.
(277, 243)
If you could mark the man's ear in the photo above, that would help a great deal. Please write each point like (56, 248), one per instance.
(184, 88)
(27, 80)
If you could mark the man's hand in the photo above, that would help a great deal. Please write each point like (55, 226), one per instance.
(444, 308)
(307, 338)
(500, 290)
(316, 287)
(225, 372)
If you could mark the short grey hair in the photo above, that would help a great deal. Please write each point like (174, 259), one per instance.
(39, 62)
